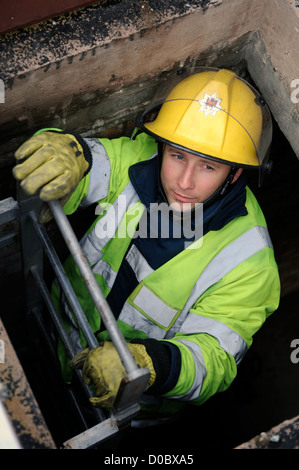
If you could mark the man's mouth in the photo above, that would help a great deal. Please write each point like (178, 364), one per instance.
(182, 197)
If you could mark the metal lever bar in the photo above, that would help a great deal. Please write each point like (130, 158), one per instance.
(93, 287)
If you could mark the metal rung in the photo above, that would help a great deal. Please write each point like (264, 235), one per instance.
(8, 239)
(90, 438)
(9, 210)
(102, 431)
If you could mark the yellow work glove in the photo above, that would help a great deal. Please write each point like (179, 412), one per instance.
(103, 368)
(55, 163)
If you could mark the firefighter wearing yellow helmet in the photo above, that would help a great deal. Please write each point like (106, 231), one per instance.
(218, 115)
(187, 305)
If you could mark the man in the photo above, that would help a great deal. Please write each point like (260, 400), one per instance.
(187, 305)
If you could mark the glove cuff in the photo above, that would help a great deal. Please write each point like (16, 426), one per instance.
(166, 359)
(143, 359)
(85, 147)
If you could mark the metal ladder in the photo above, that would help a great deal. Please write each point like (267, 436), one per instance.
(35, 244)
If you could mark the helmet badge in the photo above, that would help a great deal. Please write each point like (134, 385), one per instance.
(210, 104)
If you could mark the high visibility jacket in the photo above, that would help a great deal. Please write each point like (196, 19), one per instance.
(209, 300)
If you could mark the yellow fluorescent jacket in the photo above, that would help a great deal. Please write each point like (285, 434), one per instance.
(209, 300)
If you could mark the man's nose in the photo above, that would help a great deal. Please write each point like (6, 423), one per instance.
(186, 180)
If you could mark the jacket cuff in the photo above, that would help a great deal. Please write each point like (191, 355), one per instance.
(166, 359)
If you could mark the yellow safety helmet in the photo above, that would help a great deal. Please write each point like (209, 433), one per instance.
(216, 114)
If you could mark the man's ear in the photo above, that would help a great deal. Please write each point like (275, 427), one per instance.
(237, 174)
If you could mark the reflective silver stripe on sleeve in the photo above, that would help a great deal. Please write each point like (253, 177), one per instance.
(200, 372)
(248, 244)
(105, 270)
(99, 173)
(94, 257)
(231, 256)
(138, 263)
(106, 226)
(227, 338)
(104, 229)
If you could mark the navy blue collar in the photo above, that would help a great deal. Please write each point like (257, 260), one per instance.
(144, 178)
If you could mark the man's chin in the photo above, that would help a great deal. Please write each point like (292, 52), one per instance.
(182, 206)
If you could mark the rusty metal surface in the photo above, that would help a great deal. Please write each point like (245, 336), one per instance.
(283, 436)
(19, 401)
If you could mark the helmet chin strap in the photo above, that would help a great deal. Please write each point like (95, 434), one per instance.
(219, 193)
(222, 190)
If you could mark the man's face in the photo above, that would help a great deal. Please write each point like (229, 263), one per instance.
(188, 179)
